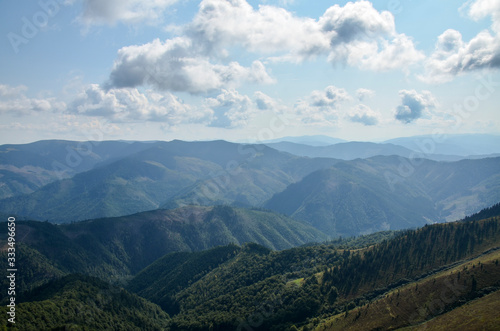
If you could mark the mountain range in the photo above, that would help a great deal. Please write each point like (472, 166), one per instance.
(455, 145)
(27, 167)
(216, 235)
(364, 196)
(451, 144)
(447, 148)
(338, 197)
(165, 174)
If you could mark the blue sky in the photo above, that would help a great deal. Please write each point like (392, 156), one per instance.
(247, 70)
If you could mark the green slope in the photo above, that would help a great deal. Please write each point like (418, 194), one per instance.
(445, 300)
(364, 196)
(174, 272)
(479, 314)
(166, 174)
(24, 168)
(78, 302)
(359, 284)
(116, 248)
(257, 288)
(121, 188)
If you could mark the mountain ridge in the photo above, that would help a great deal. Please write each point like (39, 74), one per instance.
(363, 196)
(215, 172)
(121, 246)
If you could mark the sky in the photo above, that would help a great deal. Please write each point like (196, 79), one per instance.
(247, 70)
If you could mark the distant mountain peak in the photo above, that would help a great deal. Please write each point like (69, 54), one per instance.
(314, 140)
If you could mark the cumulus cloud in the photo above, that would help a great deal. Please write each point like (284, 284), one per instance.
(109, 12)
(364, 115)
(231, 109)
(483, 8)
(453, 56)
(269, 29)
(321, 106)
(414, 105)
(363, 93)
(129, 104)
(384, 55)
(330, 97)
(14, 100)
(265, 102)
(361, 36)
(340, 33)
(174, 66)
(196, 62)
(356, 20)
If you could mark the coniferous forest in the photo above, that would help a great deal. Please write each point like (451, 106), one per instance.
(250, 286)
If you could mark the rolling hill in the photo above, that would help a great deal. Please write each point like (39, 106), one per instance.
(26, 167)
(362, 150)
(454, 144)
(115, 248)
(344, 151)
(168, 175)
(78, 302)
(364, 196)
(315, 140)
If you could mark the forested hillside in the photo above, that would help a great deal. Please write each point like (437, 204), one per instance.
(162, 174)
(116, 248)
(28, 167)
(285, 288)
(334, 285)
(364, 196)
(339, 198)
(78, 302)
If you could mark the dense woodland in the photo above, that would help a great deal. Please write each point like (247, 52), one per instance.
(251, 287)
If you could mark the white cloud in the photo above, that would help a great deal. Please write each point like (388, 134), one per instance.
(110, 12)
(7, 91)
(356, 34)
(364, 115)
(329, 98)
(363, 93)
(197, 60)
(14, 100)
(414, 105)
(355, 21)
(453, 56)
(265, 102)
(385, 55)
(363, 37)
(482, 8)
(175, 66)
(230, 109)
(321, 107)
(269, 29)
(128, 104)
